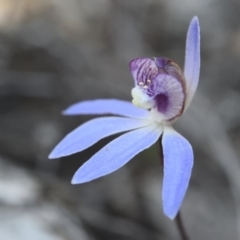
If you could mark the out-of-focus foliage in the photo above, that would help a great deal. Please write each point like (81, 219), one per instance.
(56, 52)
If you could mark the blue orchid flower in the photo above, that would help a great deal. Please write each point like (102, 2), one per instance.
(162, 93)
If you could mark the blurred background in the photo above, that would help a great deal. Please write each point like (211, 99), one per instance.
(54, 53)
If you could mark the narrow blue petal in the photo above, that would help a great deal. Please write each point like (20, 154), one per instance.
(106, 106)
(178, 163)
(117, 153)
(192, 59)
(92, 131)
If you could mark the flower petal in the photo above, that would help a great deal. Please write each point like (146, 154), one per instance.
(106, 106)
(117, 153)
(92, 131)
(178, 163)
(192, 59)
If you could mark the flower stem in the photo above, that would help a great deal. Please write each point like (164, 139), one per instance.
(181, 228)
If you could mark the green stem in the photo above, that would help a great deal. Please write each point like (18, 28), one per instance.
(181, 227)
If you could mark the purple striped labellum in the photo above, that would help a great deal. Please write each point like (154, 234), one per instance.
(160, 86)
